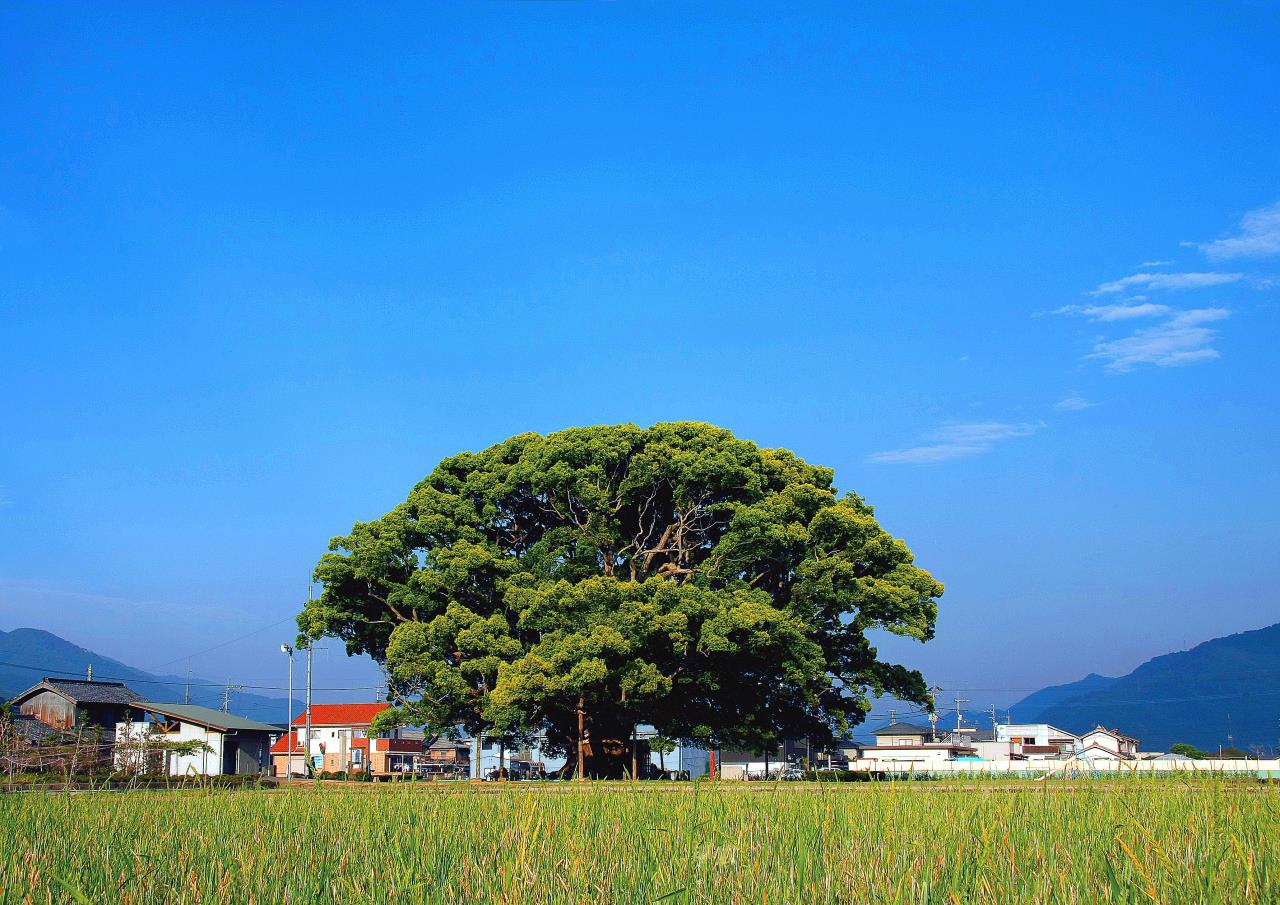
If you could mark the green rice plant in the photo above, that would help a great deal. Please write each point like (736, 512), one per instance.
(1076, 841)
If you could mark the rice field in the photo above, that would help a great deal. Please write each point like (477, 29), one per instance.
(1151, 840)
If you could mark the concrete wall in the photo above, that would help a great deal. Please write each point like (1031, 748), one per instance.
(1270, 768)
(904, 758)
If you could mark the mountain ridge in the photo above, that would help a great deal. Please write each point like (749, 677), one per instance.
(1224, 691)
(27, 655)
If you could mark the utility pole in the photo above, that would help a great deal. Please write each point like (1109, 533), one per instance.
(186, 694)
(933, 710)
(288, 723)
(994, 718)
(959, 718)
(306, 738)
(89, 673)
(893, 717)
(226, 695)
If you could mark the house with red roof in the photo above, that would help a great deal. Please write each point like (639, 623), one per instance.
(342, 741)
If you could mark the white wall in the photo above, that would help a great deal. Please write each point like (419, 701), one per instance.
(909, 758)
(1093, 765)
(203, 763)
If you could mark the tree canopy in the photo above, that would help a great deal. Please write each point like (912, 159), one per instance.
(675, 576)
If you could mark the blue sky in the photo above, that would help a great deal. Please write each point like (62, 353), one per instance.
(1012, 272)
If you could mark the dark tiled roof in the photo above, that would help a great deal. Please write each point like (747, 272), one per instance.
(972, 735)
(445, 744)
(903, 729)
(81, 691)
(32, 729)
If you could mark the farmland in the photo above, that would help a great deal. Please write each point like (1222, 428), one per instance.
(1166, 840)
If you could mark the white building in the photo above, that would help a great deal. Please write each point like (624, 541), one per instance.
(1107, 743)
(339, 742)
(907, 747)
(1044, 742)
(1037, 741)
(189, 740)
(984, 742)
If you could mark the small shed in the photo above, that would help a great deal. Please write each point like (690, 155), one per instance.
(224, 744)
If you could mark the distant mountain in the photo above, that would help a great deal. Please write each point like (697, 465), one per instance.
(29, 654)
(1056, 694)
(1227, 687)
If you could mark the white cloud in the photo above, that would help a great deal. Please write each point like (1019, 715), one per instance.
(1155, 263)
(1257, 236)
(1074, 403)
(1166, 281)
(955, 441)
(1182, 340)
(1119, 312)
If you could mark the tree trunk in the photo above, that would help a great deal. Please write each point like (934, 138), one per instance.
(581, 774)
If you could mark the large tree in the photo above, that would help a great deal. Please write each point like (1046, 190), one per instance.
(577, 584)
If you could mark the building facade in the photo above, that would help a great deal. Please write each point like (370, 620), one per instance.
(342, 741)
(71, 703)
(190, 740)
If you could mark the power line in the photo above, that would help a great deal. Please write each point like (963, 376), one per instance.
(916, 712)
(223, 643)
(178, 682)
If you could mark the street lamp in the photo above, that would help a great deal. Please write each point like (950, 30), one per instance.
(288, 724)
